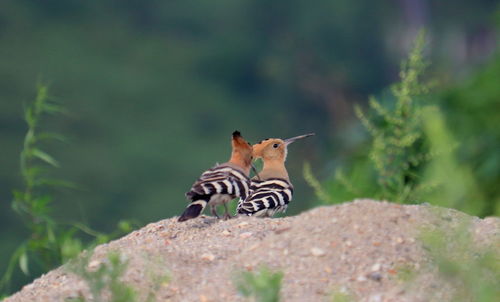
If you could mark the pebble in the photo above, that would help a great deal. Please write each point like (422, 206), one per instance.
(246, 235)
(226, 233)
(375, 298)
(281, 230)
(376, 267)
(94, 264)
(208, 257)
(203, 298)
(361, 278)
(392, 271)
(315, 251)
(242, 224)
(29, 286)
(248, 267)
(375, 276)
(253, 247)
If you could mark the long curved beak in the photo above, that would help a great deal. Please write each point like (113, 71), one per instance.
(288, 141)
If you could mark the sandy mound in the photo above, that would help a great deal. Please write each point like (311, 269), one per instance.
(356, 247)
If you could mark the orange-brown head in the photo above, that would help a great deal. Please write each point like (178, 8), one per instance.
(242, 152)
(275, 149)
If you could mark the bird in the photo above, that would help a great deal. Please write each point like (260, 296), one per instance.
(222, 183)
(271, 189)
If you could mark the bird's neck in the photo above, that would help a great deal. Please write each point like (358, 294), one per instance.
(239, 163)
(273, 169)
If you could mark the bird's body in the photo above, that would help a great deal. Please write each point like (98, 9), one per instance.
(267, 197)
(222, 183)
(271, 190)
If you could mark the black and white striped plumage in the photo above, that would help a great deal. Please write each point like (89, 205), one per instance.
(267, 197)
(218, 185)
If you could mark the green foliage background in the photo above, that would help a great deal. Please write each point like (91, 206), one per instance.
(153, 89)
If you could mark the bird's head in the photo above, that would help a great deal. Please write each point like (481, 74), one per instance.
(275, 148)
(242, 151)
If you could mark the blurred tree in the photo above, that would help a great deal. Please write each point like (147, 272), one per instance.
(473, 108)
(414, 157)
(154, 88)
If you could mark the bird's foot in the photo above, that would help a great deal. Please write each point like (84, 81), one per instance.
(214, 212)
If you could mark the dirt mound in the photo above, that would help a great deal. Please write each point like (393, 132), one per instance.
(357, 248)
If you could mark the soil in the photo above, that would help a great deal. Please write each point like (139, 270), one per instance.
(361, 249)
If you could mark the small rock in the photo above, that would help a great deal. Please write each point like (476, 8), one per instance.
(375, 276)
(249, 267)
(281, 230)
(246, 235)
(315, 251)
(244, 223)
(348, 243)
(208, 257)
(376, 267)
(375, 298)
(226, 233)
(361, 278)
(253, 247)
(94, 264)
(203, 298)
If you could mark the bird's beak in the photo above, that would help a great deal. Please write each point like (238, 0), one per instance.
(255, 171)
(288, 141)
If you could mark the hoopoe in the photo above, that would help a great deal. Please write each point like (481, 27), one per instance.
(222, 183)
(271, 190)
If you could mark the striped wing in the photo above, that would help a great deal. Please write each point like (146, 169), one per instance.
(220, 180)
(266, 197)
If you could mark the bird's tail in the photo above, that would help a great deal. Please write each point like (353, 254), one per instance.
(193, 210)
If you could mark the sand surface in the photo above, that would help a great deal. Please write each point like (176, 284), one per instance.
(358, 248)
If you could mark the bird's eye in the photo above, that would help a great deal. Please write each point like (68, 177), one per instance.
(276, 146)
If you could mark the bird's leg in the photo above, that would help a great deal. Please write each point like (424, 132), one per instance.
(214, 211)
(227, 216)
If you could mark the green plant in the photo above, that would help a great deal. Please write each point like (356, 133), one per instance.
(339, 296)
(473, 272)
(106, 277)
(398, 148)
(453, 182)
(50, 243)
(412, 155)
(312, 181)
(157, 276)
(264, 285)
(471, 106)
(46, 246)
